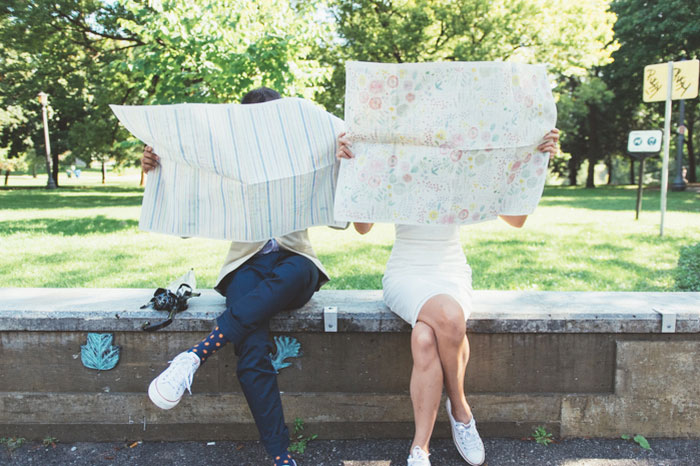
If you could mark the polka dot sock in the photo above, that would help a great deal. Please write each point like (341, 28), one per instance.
(210, 345)
(285, 460)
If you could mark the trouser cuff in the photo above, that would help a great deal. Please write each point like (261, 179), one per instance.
(229, 327)
(276, 446)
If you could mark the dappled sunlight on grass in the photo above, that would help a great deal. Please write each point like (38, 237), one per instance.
(72, 198)
(109, 260)
(72, 226)
(579, 246)
(616, 198)
(353, 261)
(577, 239)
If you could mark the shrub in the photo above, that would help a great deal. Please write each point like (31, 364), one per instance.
(688, 271)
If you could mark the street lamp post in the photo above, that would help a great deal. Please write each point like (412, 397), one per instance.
(44, 100)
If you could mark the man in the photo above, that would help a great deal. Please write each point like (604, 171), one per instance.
(259, 280)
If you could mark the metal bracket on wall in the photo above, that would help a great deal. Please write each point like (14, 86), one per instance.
(330, 319)
(668, 321)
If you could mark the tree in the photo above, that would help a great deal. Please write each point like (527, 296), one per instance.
(9, 165)
(653, 32)
(87, 54)
(571, 36)
(204, 51)
(47, 46)
(583, 106)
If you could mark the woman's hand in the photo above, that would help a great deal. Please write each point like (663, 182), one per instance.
(149, 160)
(550, 143)
(344, 145)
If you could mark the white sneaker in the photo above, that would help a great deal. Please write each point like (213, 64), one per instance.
(467, 439)
(167, 389)
(418, 457)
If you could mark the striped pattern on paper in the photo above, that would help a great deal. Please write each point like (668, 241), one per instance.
(237, 172)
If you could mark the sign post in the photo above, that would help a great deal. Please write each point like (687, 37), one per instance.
(669, 81)
(667, 140)
(642, 145)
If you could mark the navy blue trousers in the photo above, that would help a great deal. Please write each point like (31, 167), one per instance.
(263, 286)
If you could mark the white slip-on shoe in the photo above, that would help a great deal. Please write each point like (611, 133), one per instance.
(466, 439)
(418, 457)
(167, 389)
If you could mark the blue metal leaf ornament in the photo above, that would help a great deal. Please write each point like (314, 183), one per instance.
(287, 347)
(99, 353)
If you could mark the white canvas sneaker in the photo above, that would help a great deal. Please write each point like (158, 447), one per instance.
(418, 457)
(466, 439)
(167, 389)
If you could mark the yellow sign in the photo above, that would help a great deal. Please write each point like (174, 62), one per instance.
(685, 81)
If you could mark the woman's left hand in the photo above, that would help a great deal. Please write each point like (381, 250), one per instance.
(550, 143)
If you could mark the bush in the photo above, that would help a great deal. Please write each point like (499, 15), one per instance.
(688, 272)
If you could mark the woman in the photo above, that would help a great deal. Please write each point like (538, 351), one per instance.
(428, 284)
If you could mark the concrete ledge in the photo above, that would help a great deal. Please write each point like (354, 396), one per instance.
(581, 364)
(96, 309)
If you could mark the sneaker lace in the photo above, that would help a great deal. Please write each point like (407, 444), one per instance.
(468, 435)
(181, 371)
(418, 456)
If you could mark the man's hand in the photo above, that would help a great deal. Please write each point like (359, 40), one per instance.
(149, 160)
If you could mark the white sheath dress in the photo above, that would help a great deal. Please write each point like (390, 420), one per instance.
(426, 261)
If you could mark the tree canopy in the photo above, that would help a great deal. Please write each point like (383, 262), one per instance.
(570, 36)
(87, 54)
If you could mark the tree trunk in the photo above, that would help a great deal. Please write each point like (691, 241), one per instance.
(104, 172)
(590, 180)
(573, 165)
(609, 164)
(143, 177)
(54, 169)
(7, 177)
(631, 171)
(34, 169)
(594, 147)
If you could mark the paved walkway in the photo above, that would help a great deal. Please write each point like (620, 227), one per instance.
(578, 452)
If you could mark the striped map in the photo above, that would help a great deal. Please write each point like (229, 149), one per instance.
(237, 172)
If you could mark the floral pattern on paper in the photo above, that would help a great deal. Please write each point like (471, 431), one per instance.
(444, 143)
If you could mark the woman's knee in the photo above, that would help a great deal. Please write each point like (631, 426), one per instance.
(423, 344)
(448, 319)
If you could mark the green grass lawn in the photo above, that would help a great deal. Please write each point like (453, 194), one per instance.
(86, 235)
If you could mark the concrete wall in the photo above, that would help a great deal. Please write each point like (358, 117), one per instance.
(581, 364)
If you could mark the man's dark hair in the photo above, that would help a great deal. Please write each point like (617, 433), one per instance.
(261, 94)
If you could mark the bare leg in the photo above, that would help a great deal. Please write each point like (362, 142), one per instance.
(426, 383)
(445, 317)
